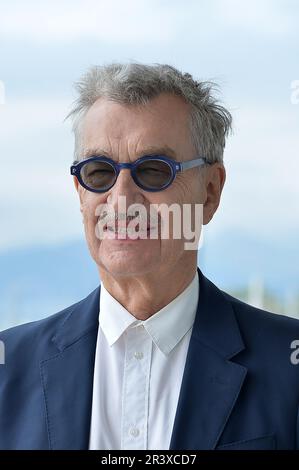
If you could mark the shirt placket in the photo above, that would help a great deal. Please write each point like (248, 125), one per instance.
(135, 396)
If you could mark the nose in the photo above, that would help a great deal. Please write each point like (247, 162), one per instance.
(125, 186)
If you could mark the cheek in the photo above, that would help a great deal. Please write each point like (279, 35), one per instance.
(91, 209)
(189, 194)
(185, 189)
(88, 212)
(188, 189)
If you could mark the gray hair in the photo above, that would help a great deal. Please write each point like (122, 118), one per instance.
(137, 84)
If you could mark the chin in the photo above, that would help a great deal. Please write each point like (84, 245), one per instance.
(127, 266)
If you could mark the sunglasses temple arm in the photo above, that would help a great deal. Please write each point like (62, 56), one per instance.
(192, 163)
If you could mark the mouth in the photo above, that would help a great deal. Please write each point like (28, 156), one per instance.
(123, 226)
(123, 231)
(126, 231)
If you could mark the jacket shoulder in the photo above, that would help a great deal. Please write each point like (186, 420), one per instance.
(34, 327)
(35, 336)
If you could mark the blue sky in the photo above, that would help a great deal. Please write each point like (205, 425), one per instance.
(250, 49)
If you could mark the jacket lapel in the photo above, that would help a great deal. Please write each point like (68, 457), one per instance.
(67, 377)
(211, 382)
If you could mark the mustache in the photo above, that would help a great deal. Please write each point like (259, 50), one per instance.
(106, 218)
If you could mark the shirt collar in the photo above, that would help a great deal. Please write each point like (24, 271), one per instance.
(166, 327)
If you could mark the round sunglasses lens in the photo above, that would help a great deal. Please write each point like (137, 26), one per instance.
(98, 175)
(154, 174)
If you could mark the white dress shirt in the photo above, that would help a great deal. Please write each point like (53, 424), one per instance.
(138, 372)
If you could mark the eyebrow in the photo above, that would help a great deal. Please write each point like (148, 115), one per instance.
(152, 150)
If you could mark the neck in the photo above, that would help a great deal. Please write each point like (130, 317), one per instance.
(148, 293)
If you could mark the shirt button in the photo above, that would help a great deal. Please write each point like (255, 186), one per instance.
(134, 432)
(138, 355)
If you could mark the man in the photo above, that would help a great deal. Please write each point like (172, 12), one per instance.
(157, 357)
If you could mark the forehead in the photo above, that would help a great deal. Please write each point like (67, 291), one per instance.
(163, 121)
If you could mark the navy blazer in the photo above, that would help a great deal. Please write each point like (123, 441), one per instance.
(240, 389)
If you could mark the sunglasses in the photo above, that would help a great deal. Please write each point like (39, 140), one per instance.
(151, 173)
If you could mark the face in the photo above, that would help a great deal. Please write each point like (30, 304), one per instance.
(125, 133)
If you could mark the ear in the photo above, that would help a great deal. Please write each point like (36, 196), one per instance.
(79, 189)
(214, 182)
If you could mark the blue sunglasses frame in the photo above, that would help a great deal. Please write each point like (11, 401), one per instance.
(173, 164)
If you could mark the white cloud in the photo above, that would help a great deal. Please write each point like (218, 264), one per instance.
(266, 16)
(36, 150)
(149, 21)
(261, 194)
(107, 20)
(23, 116)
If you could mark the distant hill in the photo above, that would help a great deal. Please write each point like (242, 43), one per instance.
(40, 280)
(234, 258)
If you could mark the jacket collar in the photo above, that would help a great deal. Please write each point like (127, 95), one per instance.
(215, 323)
(82, 319)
